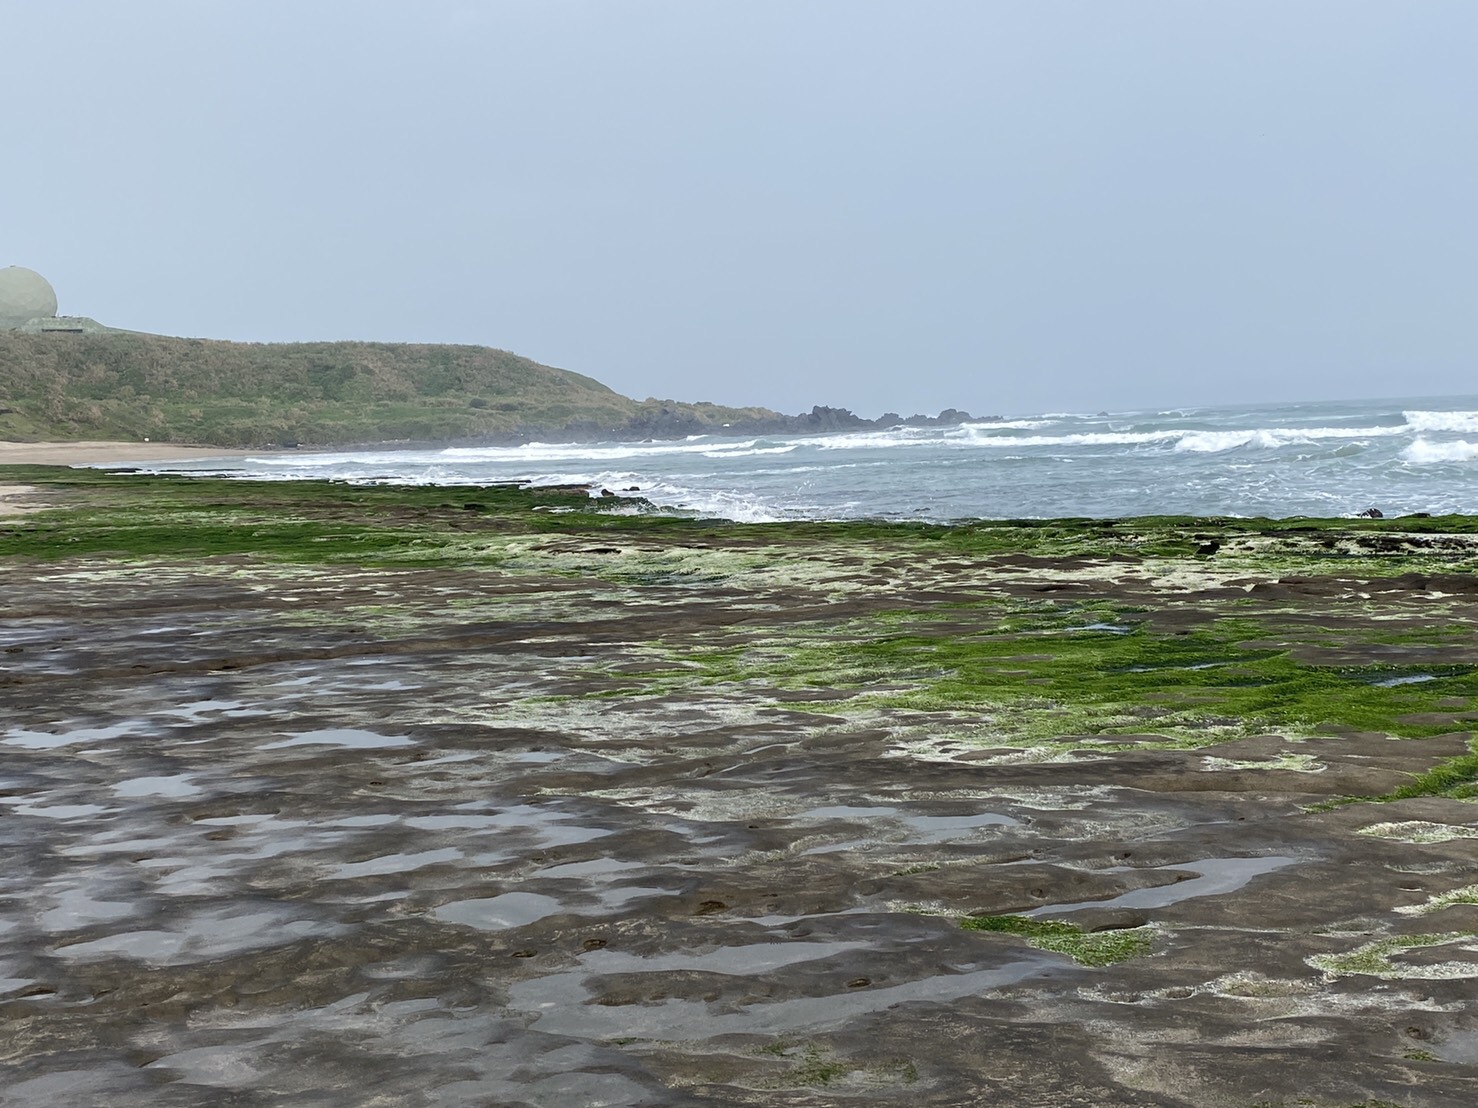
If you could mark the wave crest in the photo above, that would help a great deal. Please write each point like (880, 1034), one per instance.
(1424, 453)
(1442, 421)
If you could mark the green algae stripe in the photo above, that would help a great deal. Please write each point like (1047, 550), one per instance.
(974, 621)
(1374, 959)
(1457, 778)
(1087, 948)
(1207, 682)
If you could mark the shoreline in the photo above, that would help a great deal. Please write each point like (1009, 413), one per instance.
(18, 499)
(95, 452)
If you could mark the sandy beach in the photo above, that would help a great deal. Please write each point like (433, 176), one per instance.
(16, 499)
(95, 453)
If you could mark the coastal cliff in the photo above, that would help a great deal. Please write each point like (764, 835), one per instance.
(136, 386)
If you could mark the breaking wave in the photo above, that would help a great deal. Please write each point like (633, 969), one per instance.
(1424, 453)
(1459, 422)
(1317, 459)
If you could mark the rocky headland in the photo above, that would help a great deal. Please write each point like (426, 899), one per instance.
(129, 386)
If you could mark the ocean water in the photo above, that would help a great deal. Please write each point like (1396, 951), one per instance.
(1323, 459)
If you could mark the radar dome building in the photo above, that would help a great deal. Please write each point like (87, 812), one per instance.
(24, 295)
(28, 304)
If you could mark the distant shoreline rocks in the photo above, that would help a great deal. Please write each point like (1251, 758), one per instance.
(670, 423)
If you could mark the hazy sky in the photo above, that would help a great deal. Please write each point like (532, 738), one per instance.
(1005, 207)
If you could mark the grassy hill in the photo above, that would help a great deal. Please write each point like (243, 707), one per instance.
(134, 386)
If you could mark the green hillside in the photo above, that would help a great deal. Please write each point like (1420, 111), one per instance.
(135, 386)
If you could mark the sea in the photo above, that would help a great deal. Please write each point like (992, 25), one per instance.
(1310, 459)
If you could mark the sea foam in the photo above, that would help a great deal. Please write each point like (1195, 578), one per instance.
(1442, 421)
(1271, 438)
(1277, 460)
(1425, 453)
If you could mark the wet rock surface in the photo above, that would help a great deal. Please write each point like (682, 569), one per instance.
(346, 835)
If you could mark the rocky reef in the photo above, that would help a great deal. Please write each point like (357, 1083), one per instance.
(519, 797)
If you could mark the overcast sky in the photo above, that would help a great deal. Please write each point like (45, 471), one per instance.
(1005, 207)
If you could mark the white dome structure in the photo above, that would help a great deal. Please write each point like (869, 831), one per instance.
(24, 295)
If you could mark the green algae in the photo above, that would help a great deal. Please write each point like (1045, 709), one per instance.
(1468, 894)
(1373, 959)
(1087, 948)
(1215, 681)
(1419, 831)
(129, 516)
(953, 630)
(815, 1066)
(1456, 778)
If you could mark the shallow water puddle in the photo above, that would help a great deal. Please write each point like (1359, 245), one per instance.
(448, 759)
(75, 909)
(1217, 875)
(51, 740)
(176, 786)
(562, 1001)
(548, 824)
(380, 819)
(455, 823)
(219, 1066)
(935, 829)
(204, 936)
(596, 867)
(498, 913)
(12, 984)
(397, 863)
(349, 737)
(613, 899)
(751, 958)
(925, 829)
(1458, 1046)
(54, 811)
(199, 708)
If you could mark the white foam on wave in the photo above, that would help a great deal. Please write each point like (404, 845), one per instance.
(894, 436)
(1011, 424)
(981, 434)
(1442, 421)
(755, 453)
(1270, 438)
(1425, 453)
(566, 452)
(367, 475)
(391, 458)
(1213, 442)
(714, 503)
(1086, 438)
(670, 492)
(582, 477)
(1181, 438)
